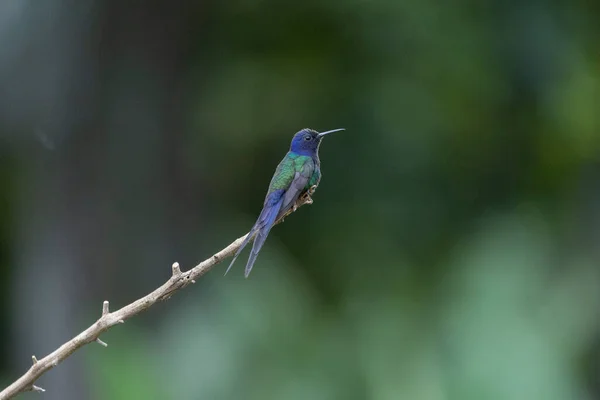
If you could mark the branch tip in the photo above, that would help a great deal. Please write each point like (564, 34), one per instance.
(37, 389)
(176, 269)
(100, 342)
(35, 360)
(105, 309)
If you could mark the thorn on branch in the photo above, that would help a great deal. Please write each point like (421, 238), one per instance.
(105, 310)
(100, 342)
(121, 321)
(37, 389)
(35, 360)
(176, 270)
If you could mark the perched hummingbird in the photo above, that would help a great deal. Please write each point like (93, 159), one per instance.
(299, 172)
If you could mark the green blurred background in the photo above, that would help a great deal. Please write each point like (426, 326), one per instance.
(452, 251)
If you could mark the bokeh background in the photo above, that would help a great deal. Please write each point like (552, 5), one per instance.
(453, 248)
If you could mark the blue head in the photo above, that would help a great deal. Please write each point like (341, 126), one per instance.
(307, 141)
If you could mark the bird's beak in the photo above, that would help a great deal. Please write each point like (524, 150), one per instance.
(320, 135)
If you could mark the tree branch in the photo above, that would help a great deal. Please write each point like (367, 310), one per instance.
(178, 281)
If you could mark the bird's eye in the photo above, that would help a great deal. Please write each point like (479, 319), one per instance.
(307, 137)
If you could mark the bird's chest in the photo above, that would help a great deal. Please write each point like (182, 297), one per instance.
(315, 178)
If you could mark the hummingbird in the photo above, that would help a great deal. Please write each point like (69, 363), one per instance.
(298, 174)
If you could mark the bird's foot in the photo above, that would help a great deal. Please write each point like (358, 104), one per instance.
(307, 199)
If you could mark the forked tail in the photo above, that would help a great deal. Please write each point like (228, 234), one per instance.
(261, 228)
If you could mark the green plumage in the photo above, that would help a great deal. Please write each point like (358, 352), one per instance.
(291, 164)
(315, 178)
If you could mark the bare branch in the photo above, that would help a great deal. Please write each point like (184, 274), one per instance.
(176, 282)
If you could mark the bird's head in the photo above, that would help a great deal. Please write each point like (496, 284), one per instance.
(307, 141)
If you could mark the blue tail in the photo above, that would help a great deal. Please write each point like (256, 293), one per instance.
(261, 228)
(260, 239)
(244, 244)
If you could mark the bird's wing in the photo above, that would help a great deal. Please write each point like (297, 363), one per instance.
(302, 173)
(282, 179)
(291, 176)
(278, 203)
